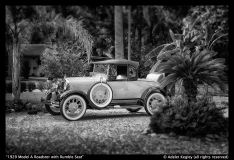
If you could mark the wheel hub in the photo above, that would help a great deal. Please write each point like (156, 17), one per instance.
(155, 103)
(73, 107)
(100, 95)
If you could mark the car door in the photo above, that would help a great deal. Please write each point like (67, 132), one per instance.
(118, 86)
(134, 89)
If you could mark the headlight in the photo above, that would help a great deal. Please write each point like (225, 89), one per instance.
(66, 85)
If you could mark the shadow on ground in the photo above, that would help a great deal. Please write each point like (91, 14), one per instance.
(90, 116)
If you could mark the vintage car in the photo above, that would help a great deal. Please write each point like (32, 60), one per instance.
(114, 84)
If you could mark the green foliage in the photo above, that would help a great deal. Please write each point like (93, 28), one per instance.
(195, 119)
(189, 58)
(31, 86)
(61, 61)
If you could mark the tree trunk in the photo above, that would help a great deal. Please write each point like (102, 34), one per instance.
(119, 49)
(9, 60)
(129, 34)
(16, 74)
(190, 89)
(134, 38)
(140, 14)
(139, 40)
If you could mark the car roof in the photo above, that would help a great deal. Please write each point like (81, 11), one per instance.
(118, 61)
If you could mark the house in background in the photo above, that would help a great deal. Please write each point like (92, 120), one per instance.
(32, 55)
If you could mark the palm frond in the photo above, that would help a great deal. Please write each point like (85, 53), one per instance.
(154, 68)
(75, 30)
(211, 81)
(168, 54)
(172, 78)
(167, 47)
(155, 51)
(207, 34)
(203, 56)
(210, 46)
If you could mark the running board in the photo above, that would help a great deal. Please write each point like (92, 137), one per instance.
(123, 107)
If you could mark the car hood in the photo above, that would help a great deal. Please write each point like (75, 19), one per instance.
(78, 81)
(83, 81)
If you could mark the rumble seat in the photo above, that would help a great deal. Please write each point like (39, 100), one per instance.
(155, 76)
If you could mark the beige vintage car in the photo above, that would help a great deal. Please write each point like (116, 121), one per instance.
(114, 84)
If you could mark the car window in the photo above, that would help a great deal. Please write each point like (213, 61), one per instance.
(113, 70)
(122, 72)
(100, 68)
(132, 72)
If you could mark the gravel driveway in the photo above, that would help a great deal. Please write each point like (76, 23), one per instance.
(98, 132)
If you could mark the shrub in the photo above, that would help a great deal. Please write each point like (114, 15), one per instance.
(23, 86)
(194, 119)
(31, 86)
(9, 87)
(41, 86)
(60, 60)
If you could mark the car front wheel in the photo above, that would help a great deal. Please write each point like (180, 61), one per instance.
(52, 108)
(153, 102)
(73, 107)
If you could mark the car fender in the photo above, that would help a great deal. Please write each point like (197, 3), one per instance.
(70, 92)
(150, 90)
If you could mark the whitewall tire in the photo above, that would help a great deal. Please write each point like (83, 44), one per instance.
(100, 95)
(73, 107)
(153, 102)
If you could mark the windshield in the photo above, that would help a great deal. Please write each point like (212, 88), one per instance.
(100, 69)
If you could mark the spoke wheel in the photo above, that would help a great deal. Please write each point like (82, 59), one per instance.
(153, 102)
(73, 107)
(100, 95)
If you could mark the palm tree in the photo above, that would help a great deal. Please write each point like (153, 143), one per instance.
(20, 29)
(119, 49)
(188, 59)
(199, 67)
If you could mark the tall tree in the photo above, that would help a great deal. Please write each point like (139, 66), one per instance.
(119, 48)
(129, 33)
(16, 23)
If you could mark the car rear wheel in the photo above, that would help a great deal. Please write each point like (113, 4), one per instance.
(133, 109)
(153, 102)
(73, 107)
(100, 95)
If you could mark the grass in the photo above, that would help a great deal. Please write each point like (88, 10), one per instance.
(98, 132)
